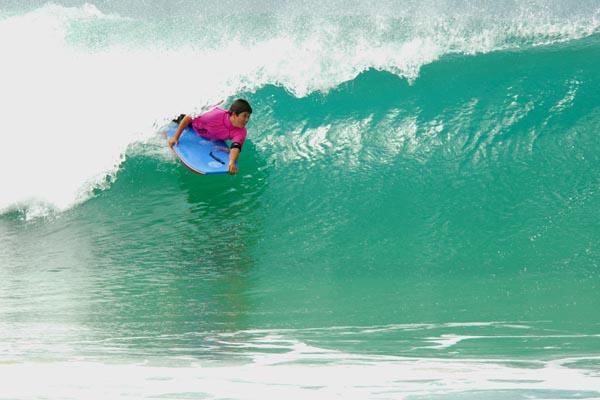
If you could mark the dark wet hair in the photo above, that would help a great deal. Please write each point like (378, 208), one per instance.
(239, 106)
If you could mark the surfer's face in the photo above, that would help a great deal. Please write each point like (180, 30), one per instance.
(240, 120)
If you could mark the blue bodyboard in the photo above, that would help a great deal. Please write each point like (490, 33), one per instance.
(202, 156)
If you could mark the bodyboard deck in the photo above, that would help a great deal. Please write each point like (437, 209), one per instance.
(200, 155)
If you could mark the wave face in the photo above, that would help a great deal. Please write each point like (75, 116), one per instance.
(416, 208)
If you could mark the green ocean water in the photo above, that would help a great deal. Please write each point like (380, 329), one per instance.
(390, 237)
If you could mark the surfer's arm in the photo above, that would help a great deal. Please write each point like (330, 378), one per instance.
(182, 125)
(234, 153)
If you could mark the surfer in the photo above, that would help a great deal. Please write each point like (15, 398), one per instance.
(219, 124)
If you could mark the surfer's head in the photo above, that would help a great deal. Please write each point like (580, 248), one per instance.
(239, 113)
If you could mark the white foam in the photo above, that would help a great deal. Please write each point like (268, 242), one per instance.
(69, 116)
(272, 363)
(305, 372)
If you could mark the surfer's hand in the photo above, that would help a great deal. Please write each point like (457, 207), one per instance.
(233, 169)
(172, 142)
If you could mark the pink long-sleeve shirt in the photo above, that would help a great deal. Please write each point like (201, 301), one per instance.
(215, 125)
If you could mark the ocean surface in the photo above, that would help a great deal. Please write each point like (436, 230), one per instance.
(416, 216)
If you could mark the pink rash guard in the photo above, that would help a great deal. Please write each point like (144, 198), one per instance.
(215, 125)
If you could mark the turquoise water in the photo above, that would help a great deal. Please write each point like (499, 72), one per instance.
(416, 213)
